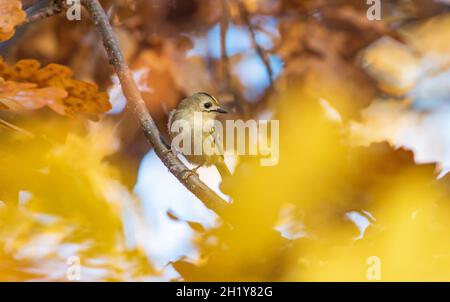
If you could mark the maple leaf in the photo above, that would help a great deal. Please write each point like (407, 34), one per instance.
(11, 15)
(28, 86)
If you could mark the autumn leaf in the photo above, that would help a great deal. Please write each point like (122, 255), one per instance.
(400, 67)
(11, 15)
(20, 96)
(28, 86)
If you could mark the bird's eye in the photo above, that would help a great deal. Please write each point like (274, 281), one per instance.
(207, 105)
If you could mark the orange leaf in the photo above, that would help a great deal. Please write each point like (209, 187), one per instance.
(11, 15)
(28, 86)
(20, 96)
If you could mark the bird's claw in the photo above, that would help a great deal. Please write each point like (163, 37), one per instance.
(166, 152)
(188, 173)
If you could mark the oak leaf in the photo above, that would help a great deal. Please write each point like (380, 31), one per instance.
(28, 86)
(11, 15)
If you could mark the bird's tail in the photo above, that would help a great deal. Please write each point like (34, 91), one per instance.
(223, 169)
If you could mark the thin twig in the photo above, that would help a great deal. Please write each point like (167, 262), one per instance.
(29, 3)
(134, 99)
(226, 70)
(10, 126)
(259, 50)
(223, 45)
(54, 8)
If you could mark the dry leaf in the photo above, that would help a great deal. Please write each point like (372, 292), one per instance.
(27, 86)
(11, 15)
(393, 64)
(20, 96)
(405, 68)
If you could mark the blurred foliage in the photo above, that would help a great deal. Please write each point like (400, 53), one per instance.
(321, 178)
(66, 182)
(60, 196)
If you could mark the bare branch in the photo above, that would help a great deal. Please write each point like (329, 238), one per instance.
(261, 53)
(223, 45)
(226, 70)
(52, 9)
(134, 99)
(29, 3)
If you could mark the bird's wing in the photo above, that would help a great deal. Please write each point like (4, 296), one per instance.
(169, 124)
(217, 140)
(220, 162)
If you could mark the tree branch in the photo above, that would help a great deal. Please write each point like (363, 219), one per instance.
(226, 70)
(52, 9)
(28, 3)
(134, 99)
(246, 18)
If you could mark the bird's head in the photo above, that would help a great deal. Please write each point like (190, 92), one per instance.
(202, 102)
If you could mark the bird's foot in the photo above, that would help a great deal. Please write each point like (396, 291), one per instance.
(188, 173)
(196, 168)
(174, 151)
(166, 152)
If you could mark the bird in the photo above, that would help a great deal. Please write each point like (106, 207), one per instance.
(211, 152)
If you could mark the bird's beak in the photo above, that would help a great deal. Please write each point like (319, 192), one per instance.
(220, 110)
